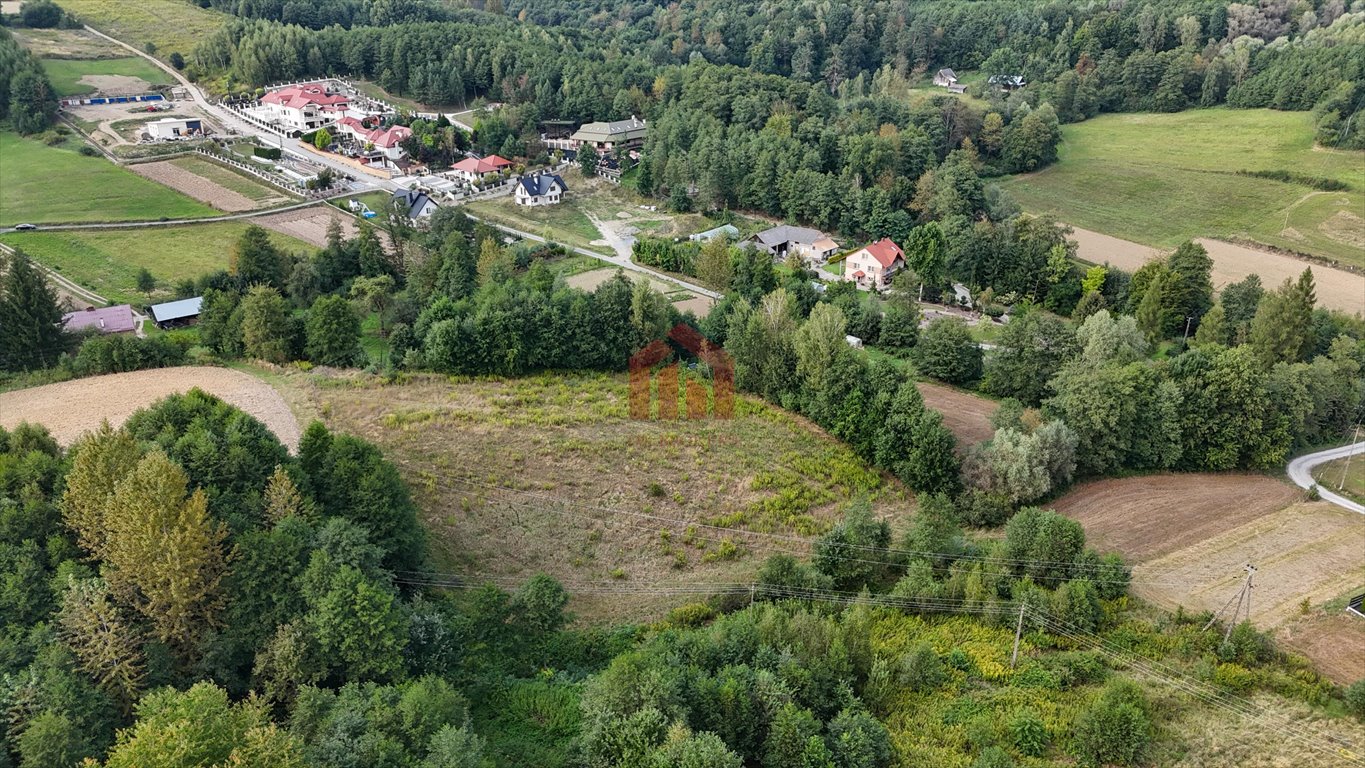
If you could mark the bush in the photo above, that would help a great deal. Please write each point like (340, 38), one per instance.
(268, 153)
(1234, 677)
(993, 757)
(1115, 728)
(1029, 733)
(88, 150)
(1355, 699)
(947, 351)
(117, 354)
(922, 669)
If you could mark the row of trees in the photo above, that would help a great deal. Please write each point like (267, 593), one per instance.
(27, 99)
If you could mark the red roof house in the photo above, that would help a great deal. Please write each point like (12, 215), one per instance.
(873, 265)
(475, 168)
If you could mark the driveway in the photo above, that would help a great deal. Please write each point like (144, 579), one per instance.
(1301, 472)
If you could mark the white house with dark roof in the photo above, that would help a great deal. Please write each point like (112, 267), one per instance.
(945, 78)
(542, 189)
(416, 204)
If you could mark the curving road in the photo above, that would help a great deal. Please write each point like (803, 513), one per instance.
(1301, 472)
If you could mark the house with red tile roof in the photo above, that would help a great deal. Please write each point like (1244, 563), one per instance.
(474, 169)
(303, 108)
(873, 265)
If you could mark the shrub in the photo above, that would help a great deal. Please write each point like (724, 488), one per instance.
(268, 153)
(1234, 677)
(1029, 733)
(1355, 699)
(921, 669)
(993, 757)
(117, 354)
(1115, 728)
(88, 150)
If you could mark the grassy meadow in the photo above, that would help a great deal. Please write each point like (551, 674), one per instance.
(1160, 179)
(1344, 476)
(107, 260)
(43, 184)
(67, 73)
(170, 25)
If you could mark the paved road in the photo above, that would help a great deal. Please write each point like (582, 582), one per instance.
(229, 119)
(1301, 472)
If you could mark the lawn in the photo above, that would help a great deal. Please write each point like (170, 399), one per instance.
(1343, 476)
(230, 179)
(67, 73)
(172, 26)
(45, 185)
(1160, 179)
(107, 261)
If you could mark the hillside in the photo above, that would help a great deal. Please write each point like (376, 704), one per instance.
(548, 473)
(1160, 179)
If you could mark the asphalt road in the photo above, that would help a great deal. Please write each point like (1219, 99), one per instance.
(1301, 472)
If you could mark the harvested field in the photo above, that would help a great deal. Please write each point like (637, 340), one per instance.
(1147, 517)
(72, 408)
(1334, 642)
(966, 415)
(196, 186)
(310, 224)
(697, 305)
(588, 281)
(1310, 551)
(1336, 288)
(549, 473)
(65, 43)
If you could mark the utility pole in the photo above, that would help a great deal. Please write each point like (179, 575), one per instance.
(1186, 340)
(1018, 632)
(1243, 596)
(1355, 437)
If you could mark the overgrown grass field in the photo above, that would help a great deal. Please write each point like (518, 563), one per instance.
(227, 178)
(67, 73)
(40, 184)
(1160, 179)
(107, 261)
(173, 26)
(1344, 476)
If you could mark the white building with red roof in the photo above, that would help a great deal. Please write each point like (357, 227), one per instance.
(387, 141)
(304, 108)
(474, 169)
(872, 266)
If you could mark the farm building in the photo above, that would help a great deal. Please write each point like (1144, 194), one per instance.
(873, 265)
(542, 189)
(724, 230)
(116, 319)
(176, 313)
(1007, 82)
(813, 245)
(957, 88)
(175, 127)
(945, 78)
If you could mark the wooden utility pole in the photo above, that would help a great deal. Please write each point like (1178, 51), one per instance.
(1018, 632)
(1355, 438)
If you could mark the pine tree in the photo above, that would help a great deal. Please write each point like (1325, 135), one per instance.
(256, 260)
(30, 317)
(1282, 328)
(164, 554)
(265, 325)
(1213, 328)
(1151, 312)
(102, 459)
(282, 497)
(107, 644)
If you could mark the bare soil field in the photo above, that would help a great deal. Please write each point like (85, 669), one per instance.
(549, 473)
(72, 408)
(1147, 517)
(194, 185)
(966, 415)
(1336, 288)
(697, 305)
(310, 224)
(588, 281)
(1334, 642)
(1309, 551)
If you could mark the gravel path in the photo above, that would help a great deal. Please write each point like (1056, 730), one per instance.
(72, 408)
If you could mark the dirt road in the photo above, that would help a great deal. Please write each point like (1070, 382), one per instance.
(72, 408)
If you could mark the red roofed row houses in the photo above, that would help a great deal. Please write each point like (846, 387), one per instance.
(476, 169)
(116, 319)
(304, 108)
(873, 265)
(386, 141)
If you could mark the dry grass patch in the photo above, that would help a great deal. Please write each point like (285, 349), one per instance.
(1146, 517)
(966, 415)
(548, 473)
(1334, 642)
(1307, 552)
(1203, 739)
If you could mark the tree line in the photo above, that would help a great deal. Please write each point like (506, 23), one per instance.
(27, 98)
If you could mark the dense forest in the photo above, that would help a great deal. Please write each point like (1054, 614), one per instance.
(27, 99)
